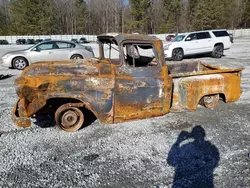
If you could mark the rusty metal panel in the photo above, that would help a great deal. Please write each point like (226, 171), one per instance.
(140, 92)
(90, 83)
(119, 37)
(194, 68)
(188, 91)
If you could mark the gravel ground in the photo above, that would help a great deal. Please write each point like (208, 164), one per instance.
(204, 148)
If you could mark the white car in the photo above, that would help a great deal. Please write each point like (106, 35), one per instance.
(199, 42)
(46, 51)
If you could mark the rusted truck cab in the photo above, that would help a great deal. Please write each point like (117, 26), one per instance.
(129, 80)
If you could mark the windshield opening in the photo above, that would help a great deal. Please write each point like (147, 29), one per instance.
(178, 38)
(111, 51)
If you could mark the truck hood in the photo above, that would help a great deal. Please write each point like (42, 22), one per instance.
(65, 68)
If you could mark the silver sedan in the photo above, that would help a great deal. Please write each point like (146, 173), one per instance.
(46, 51)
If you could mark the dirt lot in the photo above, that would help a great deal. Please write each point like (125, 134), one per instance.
(141, 153)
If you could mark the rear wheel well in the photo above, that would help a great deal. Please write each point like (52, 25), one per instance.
(218, 44)
(221, 97)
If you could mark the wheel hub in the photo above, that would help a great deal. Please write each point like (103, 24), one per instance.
(208, 99)
(20, 63)
(177, 54)
(69, 118)
(219, 52)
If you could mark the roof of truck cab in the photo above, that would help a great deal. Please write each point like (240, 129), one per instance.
(119, 37)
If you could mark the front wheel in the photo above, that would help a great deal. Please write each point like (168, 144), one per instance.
(20, 63)
(218, 51)
(177, 54)
(69, 118)
(210, 101)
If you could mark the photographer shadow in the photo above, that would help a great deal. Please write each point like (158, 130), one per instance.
(194, 159)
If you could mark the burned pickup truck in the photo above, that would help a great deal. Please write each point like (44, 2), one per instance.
(129, 80)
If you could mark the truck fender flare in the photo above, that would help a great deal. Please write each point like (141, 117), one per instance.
(75, 102)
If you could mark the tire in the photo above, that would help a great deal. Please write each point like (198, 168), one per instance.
(218, 51)
(76, 56)
(19, 63)
(68, 118)
(210, 101)
(177, 54)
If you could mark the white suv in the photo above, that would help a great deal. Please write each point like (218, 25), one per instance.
(199, 42)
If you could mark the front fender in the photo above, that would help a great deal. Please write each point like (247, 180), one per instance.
(20, 121)
(99, 103)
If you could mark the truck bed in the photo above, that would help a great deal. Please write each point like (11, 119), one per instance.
(194, 68)
(193, 80)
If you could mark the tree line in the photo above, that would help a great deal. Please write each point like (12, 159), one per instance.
(52, 17)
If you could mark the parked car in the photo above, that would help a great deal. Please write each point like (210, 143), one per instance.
(136, 86)
(30, 41)
(198, 42)
(169, 38)
(46, 51)
(74, 40)
(38, 40)
(4, 42)
(20, 41)
(83, 40)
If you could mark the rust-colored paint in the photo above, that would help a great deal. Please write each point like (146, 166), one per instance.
(116, 92)
(202, 80)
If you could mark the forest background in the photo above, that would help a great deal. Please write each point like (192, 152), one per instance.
(61, 17)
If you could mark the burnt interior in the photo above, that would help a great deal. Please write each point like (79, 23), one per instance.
(142, 61)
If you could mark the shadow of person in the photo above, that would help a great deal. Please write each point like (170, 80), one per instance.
(194, 159)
